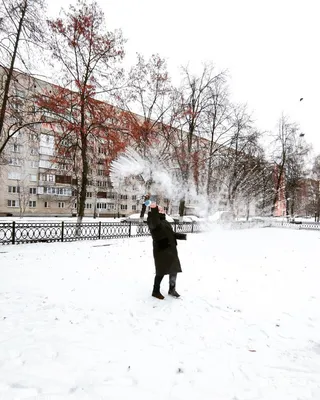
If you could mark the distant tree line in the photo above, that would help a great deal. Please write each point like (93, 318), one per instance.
(95, 105)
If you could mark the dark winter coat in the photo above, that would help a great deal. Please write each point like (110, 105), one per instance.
(164, 243)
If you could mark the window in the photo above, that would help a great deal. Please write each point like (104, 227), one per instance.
(34, 164)
(60, 191)
(63, 179)
(17, 103)
(123, 196)
(33, 178)
(64, 167)
(33, 190)
(13, 203)
(89, 194)
(88, 205)
(47, 178)
(134, 208)
(102, 183)
(46, 204)
(101, 172)
(14, 175)
(134, 197)
(48, 151)
(32, 204)
(110, 206)
(124, 207)
(61, 204)
(101, 195)
(33, 137)
(20, 93)
(14, 189)
(101, 206)
(47, 164)
(33, 151)
(15, 161)
(110, 196)
(3, 82)
(16, 148)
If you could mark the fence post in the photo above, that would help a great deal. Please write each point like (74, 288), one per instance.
(62, 231)
(99, 229)
(13, 232)
(129, 228)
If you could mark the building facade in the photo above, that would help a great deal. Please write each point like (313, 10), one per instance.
(34, 181)
(32, 184)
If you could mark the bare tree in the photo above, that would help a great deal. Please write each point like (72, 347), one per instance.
(289, 160)
(23, 195)
(146, 100)
(89, 56)
(192, 100)
(316, 187)
(21, 30)
(240, 160)
(263, 188)
(218, 126)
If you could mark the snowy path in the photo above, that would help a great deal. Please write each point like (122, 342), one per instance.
(77, 320)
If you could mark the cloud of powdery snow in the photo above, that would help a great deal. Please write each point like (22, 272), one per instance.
(156, 174)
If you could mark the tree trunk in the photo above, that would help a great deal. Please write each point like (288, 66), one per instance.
(84, 180)
(318, 206)
(9, 77)
(248, 209)
(182, 207)
(292, 207)
(278, 186)
(209, 175)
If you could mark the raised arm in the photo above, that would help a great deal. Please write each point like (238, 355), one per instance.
(180, 236)
(153, 217)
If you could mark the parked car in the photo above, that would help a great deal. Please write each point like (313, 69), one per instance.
(194, 218)
(134, 218)
(221, 216)
(185, 219)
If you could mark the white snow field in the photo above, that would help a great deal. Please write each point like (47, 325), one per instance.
(77, 320)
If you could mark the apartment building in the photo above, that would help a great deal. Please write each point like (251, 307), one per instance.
(34, 184)
(34, 181)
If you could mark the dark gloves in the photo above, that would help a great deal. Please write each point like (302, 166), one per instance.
(180, 236)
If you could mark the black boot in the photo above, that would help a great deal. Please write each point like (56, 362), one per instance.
(173, 292)
(156, 287)
(157, 294)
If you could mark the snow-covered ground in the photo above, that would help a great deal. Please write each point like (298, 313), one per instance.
(77, 320)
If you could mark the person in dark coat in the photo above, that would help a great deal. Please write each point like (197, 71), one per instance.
(165, 252)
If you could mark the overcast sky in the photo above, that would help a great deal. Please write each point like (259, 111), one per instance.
(269, 47)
